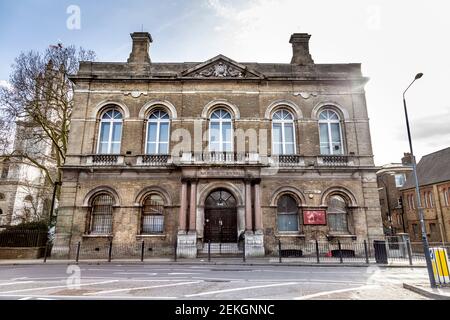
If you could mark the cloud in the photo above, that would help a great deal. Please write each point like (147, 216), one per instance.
(431, 126)
(5, 84)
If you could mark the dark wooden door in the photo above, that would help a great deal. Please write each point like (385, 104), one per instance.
(220, 217)
(220, 225)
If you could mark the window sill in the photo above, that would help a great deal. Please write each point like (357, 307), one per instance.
(156, 235)
(287, 234)
(341, 236)
(97, 235)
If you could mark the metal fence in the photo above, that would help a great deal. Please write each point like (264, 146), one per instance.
(314, 252)
(23, 238)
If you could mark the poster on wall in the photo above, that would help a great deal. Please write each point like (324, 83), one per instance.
(314, 217)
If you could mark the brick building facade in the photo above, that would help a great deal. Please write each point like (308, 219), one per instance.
(218, 151)
(433, 173)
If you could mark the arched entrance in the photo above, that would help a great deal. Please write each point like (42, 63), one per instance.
(220, 217)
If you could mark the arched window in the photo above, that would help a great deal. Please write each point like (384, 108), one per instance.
(330, 133)
(337, 214)
(287, 214)
(158, 127)
(101, 214)
(220, 131)
(152, 215)
(29, 198)
(5, 169)
(110, 134)
(283, 132)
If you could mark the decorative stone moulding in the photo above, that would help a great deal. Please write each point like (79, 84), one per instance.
(306, 95)
(220, 70)
(135, 94)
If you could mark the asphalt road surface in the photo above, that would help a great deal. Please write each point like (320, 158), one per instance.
(119, 281)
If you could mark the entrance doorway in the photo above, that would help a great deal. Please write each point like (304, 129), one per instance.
(220, 217)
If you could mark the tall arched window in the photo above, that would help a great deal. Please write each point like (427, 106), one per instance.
(337, 214)
(220, 131)
(158, 127)
(283, 132)
(101, 214)
(152, 215)
(330, 133)
(110, 134)
(287, 214)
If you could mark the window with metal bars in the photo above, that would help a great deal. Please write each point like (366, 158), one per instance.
(287, 214)
(152, 215)
(337, 214)
(102, 214)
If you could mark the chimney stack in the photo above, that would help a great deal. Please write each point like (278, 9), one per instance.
(407, 159)
(300, 49)
(141, 44)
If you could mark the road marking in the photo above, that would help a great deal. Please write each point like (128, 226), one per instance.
(181, 273)
(18, 282)
(319, 294)
(26, 298)
(240, 289)
(145, 273)
(141, 288)
(58, 287)
(54, 297)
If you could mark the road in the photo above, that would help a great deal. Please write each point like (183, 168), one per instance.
(239, 282)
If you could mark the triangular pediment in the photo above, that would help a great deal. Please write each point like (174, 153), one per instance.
(221, 67)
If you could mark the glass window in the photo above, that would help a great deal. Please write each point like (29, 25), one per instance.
(337, 214)
(152, 215)
(400, 180)
(101, 219)
(221, 131)
(287, 217)
(110, 134)
(330, 133)
(158, 133)
(283, 132)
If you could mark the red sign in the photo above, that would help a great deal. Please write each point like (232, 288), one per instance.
(314, 217)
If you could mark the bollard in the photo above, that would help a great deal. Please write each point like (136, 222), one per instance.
(243, 252)
(77, 257)
(110, 251)
(175, 251)
(408, 244)
(317, 252)
(46, 252)
(279, 250)
(366, 252)
(209, 250)
(142, 250)
(341, 260)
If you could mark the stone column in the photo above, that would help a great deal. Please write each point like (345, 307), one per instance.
(248, 207)
(258, 213)
(193, 206)
(183, 208)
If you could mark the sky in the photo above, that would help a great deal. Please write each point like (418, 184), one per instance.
(393, 40)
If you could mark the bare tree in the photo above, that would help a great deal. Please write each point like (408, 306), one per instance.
(37, 105)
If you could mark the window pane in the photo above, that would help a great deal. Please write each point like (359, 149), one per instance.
(276, 132)
(151, 148)
(164, 148)
(153, 224)
(337, 222)
(214, 146)
(226, 131)
(289, 148)
(289, 132)
(227, 147)
(276, 148)
(115, 148)
(152, 129)
(104, 131)
(287, 222)
(164, 132)
(103, 148)
(335, 132)
(323, 128)
(215, 133)
(117, 131)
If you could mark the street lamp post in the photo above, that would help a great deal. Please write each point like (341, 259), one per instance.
(419, 202)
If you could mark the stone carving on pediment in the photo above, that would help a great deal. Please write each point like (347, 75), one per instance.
(306, 95)
(220, 70)
(135, 94)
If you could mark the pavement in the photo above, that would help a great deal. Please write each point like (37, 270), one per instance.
(424, 289)
(174, 281)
